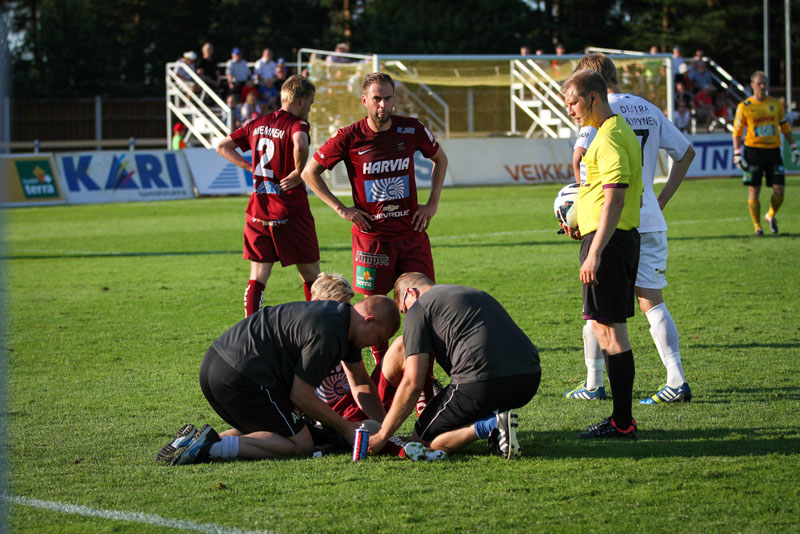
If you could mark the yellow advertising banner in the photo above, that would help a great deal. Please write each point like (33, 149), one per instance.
(29, 179)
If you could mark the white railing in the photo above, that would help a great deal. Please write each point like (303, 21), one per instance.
(538, 95)
(439, 123)
(208, 124)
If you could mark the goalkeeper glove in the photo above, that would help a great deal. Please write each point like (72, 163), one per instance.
(795, 155)
(740, 162)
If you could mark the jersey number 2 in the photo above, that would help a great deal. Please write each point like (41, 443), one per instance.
(267, 149)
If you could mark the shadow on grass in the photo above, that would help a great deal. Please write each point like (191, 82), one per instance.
(743, 345)
(736, 237)
(84, 255)
(664, 444)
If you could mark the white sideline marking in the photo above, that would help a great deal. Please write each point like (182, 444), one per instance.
(135, 517)
(433, 239)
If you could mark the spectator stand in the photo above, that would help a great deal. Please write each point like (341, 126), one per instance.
(207, 117)
(734, 91)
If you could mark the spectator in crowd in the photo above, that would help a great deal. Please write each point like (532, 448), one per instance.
(698, 55)
(700, 76)
(342, 48)
(280, 76)
(683, 76)
(236, 73)
(723, 114)
(524, 50)
(185, 66)
(265, 66)
(556, 64)
(251, 109)
(268, 95)
(681, 94)
(704, 106)
(682, 117)
(539, 52)
(178, 133)
(654, 50)
(677, 61)
(207, 69)
(249, 87)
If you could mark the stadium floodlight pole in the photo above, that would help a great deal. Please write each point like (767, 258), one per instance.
(787, 22)
(766, 39)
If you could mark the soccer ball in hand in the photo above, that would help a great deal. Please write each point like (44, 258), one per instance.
(566, 205)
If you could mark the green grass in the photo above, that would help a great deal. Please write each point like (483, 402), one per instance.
(112, 307)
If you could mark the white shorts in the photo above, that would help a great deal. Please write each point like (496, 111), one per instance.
(652, 261)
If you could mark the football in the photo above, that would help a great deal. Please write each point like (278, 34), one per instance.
(565, 205)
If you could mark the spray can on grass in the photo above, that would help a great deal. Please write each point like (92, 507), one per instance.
(360, 443)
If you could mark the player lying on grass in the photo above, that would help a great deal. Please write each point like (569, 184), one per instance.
(259, 372)
(335, 389)
(493, 365)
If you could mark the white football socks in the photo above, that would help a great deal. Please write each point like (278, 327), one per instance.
(593, 356)
(665, 335)
(226, 448)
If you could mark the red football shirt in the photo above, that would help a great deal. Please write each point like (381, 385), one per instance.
(270, 139)
(380, 166)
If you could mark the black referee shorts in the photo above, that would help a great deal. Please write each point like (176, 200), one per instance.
(459, 405)
(246, 406)
(611, 300)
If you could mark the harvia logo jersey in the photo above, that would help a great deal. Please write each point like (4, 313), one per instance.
(36, 179)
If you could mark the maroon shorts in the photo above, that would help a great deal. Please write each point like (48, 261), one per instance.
(290, 241)
(377, 264)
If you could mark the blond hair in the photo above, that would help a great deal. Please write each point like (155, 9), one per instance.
(599, 63)
(296, 87)
(331, 286)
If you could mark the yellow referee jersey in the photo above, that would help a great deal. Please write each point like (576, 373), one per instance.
(614, 159)
(763, 120)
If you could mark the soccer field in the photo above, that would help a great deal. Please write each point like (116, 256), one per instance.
(111, 308)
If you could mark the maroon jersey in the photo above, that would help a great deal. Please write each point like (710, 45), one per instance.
(380, 166)
(270, 139)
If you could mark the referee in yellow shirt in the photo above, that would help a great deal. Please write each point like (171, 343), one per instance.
(609, 199)
(762, 116)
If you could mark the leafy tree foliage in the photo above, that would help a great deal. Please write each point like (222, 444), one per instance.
(120, 47)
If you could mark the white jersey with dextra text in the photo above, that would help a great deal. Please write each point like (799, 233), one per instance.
(654, 131)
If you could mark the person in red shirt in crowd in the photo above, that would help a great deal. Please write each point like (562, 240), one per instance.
(389, 225)
(279, 225)
(704, 105)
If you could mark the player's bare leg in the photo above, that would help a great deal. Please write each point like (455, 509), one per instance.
(754, 205)
(260, 445)
(455, 440)
(254, 293)
(392, 366)
(308, 272)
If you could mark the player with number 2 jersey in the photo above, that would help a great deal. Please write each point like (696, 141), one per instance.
(279, 225)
